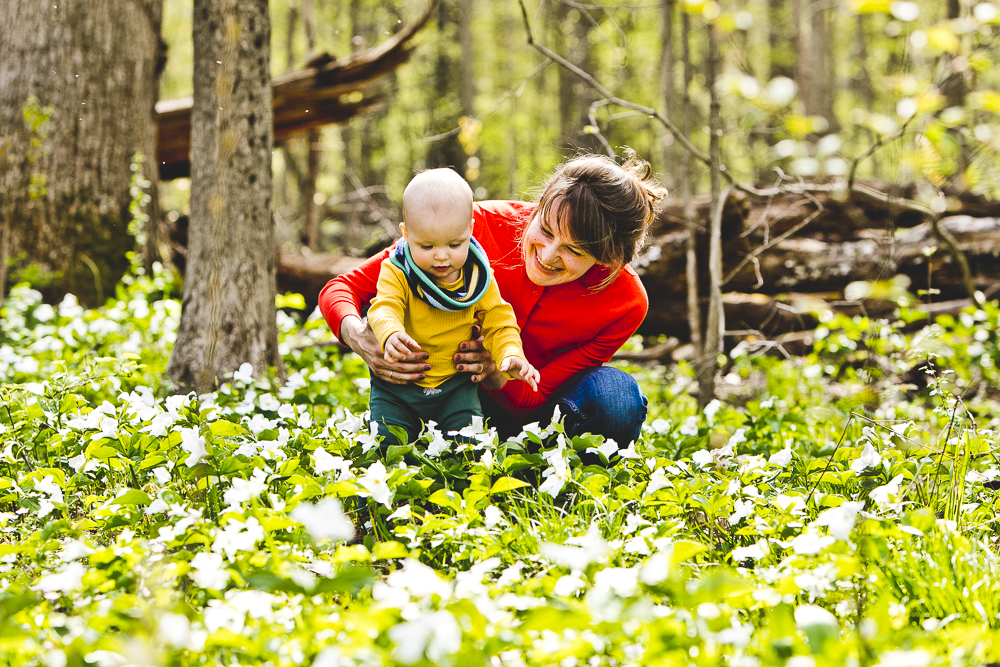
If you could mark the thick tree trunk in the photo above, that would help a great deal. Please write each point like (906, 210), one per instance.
(228, 315)
(93, 68)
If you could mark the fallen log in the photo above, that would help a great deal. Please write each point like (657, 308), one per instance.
(327, 91)
(809, 265)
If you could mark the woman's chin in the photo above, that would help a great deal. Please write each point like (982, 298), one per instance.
(544, 278)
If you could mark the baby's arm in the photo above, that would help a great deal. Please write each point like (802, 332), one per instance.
(386, 314)
(502, 337)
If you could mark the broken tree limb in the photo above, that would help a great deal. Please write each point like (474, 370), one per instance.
(327, 91)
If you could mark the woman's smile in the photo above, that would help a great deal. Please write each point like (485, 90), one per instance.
(552, 256)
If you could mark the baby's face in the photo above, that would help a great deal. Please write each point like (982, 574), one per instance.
(440, 246)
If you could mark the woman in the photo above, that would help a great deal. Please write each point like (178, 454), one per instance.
(562, 264)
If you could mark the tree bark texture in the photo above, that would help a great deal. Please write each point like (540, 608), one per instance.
(94, 66)
(228, 315)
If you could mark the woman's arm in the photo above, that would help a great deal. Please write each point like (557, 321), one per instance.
(341, 302)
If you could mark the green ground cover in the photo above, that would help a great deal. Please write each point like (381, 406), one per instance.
(832, 509)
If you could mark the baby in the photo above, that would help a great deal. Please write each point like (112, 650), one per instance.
(434, 286)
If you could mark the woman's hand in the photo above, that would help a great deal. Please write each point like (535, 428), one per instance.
(474, 358)
(359, 337)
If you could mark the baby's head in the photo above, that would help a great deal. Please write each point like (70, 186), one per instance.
(437, 222)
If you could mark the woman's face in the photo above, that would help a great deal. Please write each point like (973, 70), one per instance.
(551, 255)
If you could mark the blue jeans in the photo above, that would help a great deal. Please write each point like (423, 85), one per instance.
(601, 400)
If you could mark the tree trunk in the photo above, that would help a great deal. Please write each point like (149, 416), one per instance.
(444, 98)
(228, 315)
(93, 68)
(694, 321)
(780, 43)
(467, 91)
(667, 60)
(715, 322)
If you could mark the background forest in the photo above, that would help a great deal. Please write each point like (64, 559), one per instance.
(477, 97)
(814, 486)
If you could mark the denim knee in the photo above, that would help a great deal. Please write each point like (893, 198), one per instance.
(605, 401)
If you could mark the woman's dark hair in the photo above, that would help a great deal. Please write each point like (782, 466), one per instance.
(606, 206)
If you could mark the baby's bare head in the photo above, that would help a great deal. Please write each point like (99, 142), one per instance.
(437, 197)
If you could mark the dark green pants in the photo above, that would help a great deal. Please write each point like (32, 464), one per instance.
(406, 406)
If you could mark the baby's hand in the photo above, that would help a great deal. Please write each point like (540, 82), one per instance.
(526, 371)
(399, 346)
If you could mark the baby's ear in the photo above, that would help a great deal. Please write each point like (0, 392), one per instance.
(402, 228)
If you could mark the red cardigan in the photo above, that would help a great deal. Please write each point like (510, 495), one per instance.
(565, 328)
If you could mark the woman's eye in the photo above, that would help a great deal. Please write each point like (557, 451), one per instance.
(574, 252)
(546, 233)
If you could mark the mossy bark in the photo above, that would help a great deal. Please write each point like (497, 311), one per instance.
(228, 315)
(92, 68)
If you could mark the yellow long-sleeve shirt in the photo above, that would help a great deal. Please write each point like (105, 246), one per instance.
(439, 332)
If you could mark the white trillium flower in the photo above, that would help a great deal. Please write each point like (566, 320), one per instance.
(589, 548)
(869, 458)
(66, 581)
(324, 462)
(781, 458)
(755, 551)
(840, 519)
(809, 615)
(245, 489)
(811, 543)
(711, 409)
(609, 448)
(325, 520)
(690, 426)
(622, 581)
(404, 513)
(48, 486)
(657, 481)
(369, 441)
(238, 536)
(491, 516)
(703, 458)
(887, 495)
(269, 402)
(208, 572)
(435, 634)
(375, 485)
(568, 584)
(193, 443)
(244, 374)
(741, 510)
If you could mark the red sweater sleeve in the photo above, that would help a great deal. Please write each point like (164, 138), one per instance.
(347, 294)
(519, 399)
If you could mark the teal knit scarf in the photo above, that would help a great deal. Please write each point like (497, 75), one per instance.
(476, 276)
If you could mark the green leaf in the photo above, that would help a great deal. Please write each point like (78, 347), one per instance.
(34, 411)
(352, 580)
(446, 498)
(133, 497)
(685, 549)
(505, 484)
(227, 429)
(390, 549)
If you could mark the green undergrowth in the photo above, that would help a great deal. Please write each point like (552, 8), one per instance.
(831, 509)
